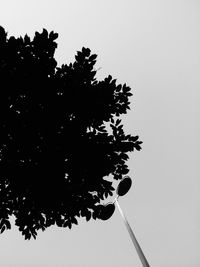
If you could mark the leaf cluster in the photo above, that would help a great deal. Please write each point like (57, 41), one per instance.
(55, 149)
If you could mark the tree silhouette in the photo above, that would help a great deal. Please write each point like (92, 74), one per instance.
(55, 147)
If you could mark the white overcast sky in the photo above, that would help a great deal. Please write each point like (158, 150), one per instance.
(154, 47)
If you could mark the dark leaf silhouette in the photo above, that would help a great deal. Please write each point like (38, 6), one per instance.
(106, 211)
(124, 186)
(60, 137)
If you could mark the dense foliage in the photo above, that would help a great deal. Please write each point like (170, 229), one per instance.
(56, 149)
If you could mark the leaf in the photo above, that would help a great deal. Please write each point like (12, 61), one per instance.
(69, 225)
(110, 193)
(7, 223)
(66, 223)
(33, 232)
(118, 121)
(134, 138)
(118, 88)
(86, 51)
(92, 57)
(119, 128)
(113, 81)
(88, 216)
(129, 94)
(3, 229)
(126, 88)
(137, 146)
(125, 171)
(74, 220)
(45, 33)
(34, 235)
(109, 78)
(94, 215)
(27, 235)
(37, 34)
(53, 35)
(96, 199)
(27, 39)
(59, 222)
(124, 156)
(83, 212)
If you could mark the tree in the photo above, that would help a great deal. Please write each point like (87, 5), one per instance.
(55, 147)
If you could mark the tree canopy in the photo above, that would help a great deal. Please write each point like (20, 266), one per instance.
(56, 149)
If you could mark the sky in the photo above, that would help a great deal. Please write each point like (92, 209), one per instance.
(153, 47)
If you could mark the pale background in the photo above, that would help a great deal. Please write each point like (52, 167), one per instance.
(153, 46)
